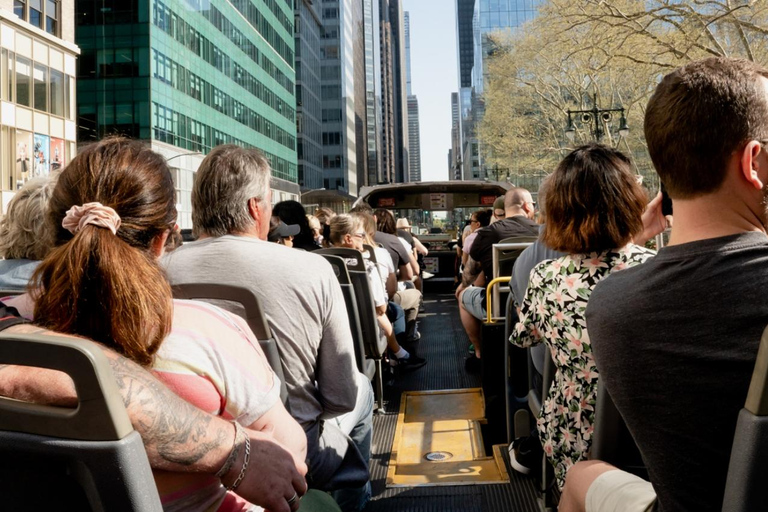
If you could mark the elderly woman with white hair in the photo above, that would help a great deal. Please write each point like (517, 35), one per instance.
(24, 241)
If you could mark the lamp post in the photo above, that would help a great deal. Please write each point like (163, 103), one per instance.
(596, 118)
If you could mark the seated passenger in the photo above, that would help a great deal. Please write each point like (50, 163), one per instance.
(480, 219)
(347, 231)
(111, 214)
(303, 303)
(177, 436)
(291, 212)
(594, 208)
(316, 228)
(515, 221)
(281, 233)
(24, 239)
(392, 244)
(676, 339)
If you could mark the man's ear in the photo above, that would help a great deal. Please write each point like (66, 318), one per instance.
(254, 208)
(750, 165)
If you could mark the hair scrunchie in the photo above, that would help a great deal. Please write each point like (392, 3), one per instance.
(96, 214)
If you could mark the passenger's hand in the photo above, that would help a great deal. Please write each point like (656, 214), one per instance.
(273, 476)
(654, 221)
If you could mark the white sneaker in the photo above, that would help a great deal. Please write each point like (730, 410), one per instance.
(427, 275)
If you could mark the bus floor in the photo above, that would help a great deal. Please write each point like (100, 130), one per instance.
(444, 344)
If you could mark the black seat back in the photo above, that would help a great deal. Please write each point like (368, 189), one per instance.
(745, 487)
(340, 269)
(83, 458)
(366, 309)
(508, 256)
(611, 440)
(252, 313)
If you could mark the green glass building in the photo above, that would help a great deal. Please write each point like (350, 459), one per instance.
(188, 75)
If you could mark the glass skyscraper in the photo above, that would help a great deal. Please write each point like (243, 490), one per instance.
(309, 106)
(473, 29)
(189, 75)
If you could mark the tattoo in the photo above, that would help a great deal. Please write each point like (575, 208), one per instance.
(471, 270)
(179, 433)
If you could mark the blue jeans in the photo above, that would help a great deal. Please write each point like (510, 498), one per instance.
(358, 424)
(396, 315)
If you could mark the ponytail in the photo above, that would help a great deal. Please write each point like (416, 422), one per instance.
(99, 287)
(101, 280)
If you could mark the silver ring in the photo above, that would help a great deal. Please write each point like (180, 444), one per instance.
(293, 499)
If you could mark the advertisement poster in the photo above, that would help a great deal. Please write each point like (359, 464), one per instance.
(41, 156)
(57, 154)
(23, 157)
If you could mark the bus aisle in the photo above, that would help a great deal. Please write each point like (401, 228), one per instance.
(444, 344)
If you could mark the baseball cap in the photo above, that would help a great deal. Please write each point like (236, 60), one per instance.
(283, 230)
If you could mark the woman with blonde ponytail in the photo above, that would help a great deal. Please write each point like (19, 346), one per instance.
(111, 213)
(349, 231)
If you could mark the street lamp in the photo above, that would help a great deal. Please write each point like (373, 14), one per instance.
(595, 118)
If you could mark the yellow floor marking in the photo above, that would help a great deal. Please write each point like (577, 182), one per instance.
(442, 421)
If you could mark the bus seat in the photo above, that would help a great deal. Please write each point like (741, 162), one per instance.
(366, 366)
(516, 371)
(745, 487)
(252, 313)
(611, 440)
(83, 458)
(375, 345)
(504, 254)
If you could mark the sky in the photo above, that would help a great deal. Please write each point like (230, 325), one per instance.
(433, 79)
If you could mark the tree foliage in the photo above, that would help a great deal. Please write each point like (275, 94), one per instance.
(617, 50)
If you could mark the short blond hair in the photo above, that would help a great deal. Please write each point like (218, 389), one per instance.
(24, 231)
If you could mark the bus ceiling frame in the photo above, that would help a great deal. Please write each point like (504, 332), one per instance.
(433, 194)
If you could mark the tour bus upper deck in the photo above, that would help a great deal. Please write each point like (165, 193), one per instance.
(436, 211)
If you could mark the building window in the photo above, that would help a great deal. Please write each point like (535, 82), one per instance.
(19, 9)
(57, 93)
(23, 81)
(41, 92)
(38, 11)
(51, 17)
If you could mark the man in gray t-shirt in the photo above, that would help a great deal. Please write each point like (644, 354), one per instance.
(303, 303)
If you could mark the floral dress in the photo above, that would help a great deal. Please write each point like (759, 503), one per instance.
(554, 312)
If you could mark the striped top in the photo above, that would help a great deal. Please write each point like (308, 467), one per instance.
(212, 359)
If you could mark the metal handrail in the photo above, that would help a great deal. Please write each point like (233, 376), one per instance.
(489, 295)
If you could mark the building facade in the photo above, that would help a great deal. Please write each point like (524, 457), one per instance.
(188, 75)
(37, 90)
(309, 127)
(342, 20)
(414, 138)
(394, 94)
(454, 154)
(372, 36)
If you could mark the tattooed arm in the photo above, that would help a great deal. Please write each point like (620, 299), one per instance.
(177, 436)
(472, 270)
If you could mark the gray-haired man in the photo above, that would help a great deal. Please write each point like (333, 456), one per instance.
(302, 301)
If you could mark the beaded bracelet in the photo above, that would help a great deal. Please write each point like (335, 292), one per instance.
(247, 458)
